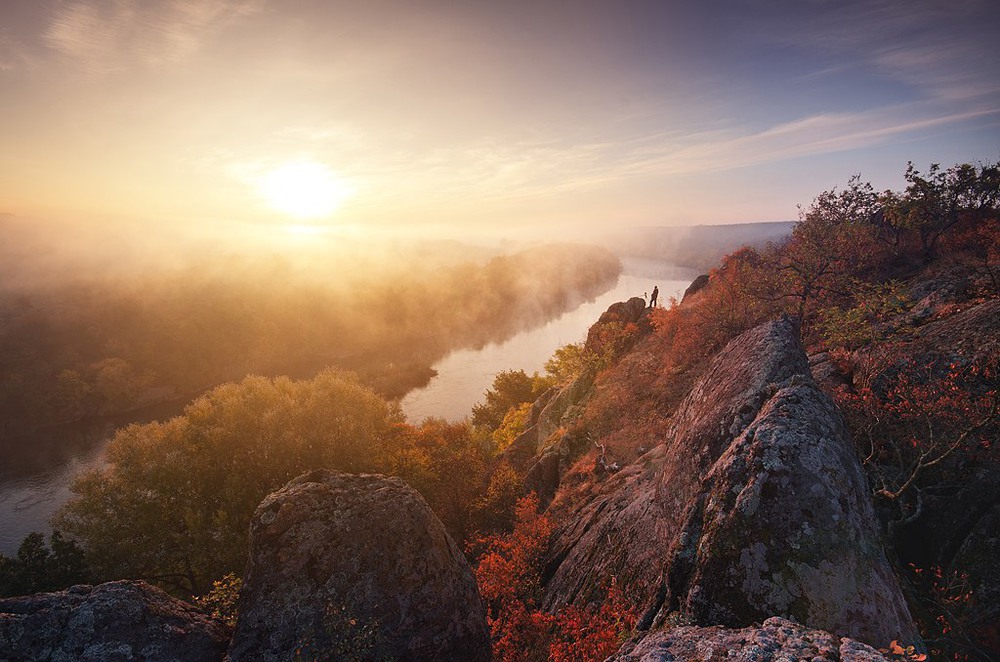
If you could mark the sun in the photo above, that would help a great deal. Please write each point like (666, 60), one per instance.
(304, 189)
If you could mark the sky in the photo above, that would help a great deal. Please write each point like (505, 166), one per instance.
(449, 115)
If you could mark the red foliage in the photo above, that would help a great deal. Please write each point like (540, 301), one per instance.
(920, 418)
(957, 626)
(918, 427)
(509, 578)
(978, 245)
(592, 633)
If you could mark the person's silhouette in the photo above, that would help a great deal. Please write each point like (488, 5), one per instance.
(652, 299)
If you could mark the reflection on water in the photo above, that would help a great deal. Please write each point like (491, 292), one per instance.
(463, 376)
(36, 471)
(27, 502)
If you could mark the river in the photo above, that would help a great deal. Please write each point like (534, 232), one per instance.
(30, 494)
(465, 375)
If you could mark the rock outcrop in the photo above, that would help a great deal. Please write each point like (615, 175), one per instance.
(697, 285)
(357, 564)
(548, 446)
(618, 315)
(546, 449)
(754, 505)
(777, 639)
(121, 621)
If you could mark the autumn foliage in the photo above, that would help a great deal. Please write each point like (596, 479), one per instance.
(509, 575)
(917, 419)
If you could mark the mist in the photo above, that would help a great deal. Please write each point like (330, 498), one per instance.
(98, 320)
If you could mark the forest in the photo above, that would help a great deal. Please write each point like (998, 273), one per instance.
(95, 341)
(860, 270)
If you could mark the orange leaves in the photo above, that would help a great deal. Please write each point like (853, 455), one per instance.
(510, 570)
(922, 416)
(594, 633)
(901, 653)
(509, 578)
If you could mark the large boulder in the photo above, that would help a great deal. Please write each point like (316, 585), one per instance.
(783, 525)
(355, 564)
(777, 639)
(754, 505)
(113, 622)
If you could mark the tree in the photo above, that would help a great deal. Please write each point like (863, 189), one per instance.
(509, 575)
(831, 245)
(510, 389)
(567, 363)
(732, 303)
(509, 579)
(917, 421)
(38, 567)
(174, 503)
(935, 203)
(869, 318)
(495, 510)
(446, 464)
(511, 427)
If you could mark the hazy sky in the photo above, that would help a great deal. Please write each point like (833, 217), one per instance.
(502, 113)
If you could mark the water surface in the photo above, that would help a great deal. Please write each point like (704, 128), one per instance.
(36, 482)
(464, 375)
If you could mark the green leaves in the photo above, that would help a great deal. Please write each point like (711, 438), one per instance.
(38, 567)
(175, 500)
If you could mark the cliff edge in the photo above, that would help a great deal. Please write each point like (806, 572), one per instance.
(754, 505)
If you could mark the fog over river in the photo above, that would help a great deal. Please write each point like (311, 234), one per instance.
(464, 375)
(29, 495)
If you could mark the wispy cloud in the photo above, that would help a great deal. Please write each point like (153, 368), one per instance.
(946, 50)
(494, 170)
(13, 54)
(106, 36)
(819, 134)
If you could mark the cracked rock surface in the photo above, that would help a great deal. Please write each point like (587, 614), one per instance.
(114, 622)
(777, 640)
(754, 505)
(355, 565)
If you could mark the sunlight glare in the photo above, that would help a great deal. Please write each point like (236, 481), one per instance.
(305, 189)
(306, 231)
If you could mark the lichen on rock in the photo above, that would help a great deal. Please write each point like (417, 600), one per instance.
(755, 505)
(122, 621)
(355, 567)
(777, 639)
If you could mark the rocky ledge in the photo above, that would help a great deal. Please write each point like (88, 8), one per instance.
(776, 640)
(753, 506)
(118, 621)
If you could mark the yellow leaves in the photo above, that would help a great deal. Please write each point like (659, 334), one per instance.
(195, 480)
(512, 426)
(907, 653)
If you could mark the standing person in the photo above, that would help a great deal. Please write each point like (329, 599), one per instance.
(652, 299)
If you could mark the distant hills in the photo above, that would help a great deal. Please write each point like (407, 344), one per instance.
(696, 246)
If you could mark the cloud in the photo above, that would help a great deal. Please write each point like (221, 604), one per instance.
(107, 36)
(495, 171)
(947, 50)
(13, 54)
(818, 134)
